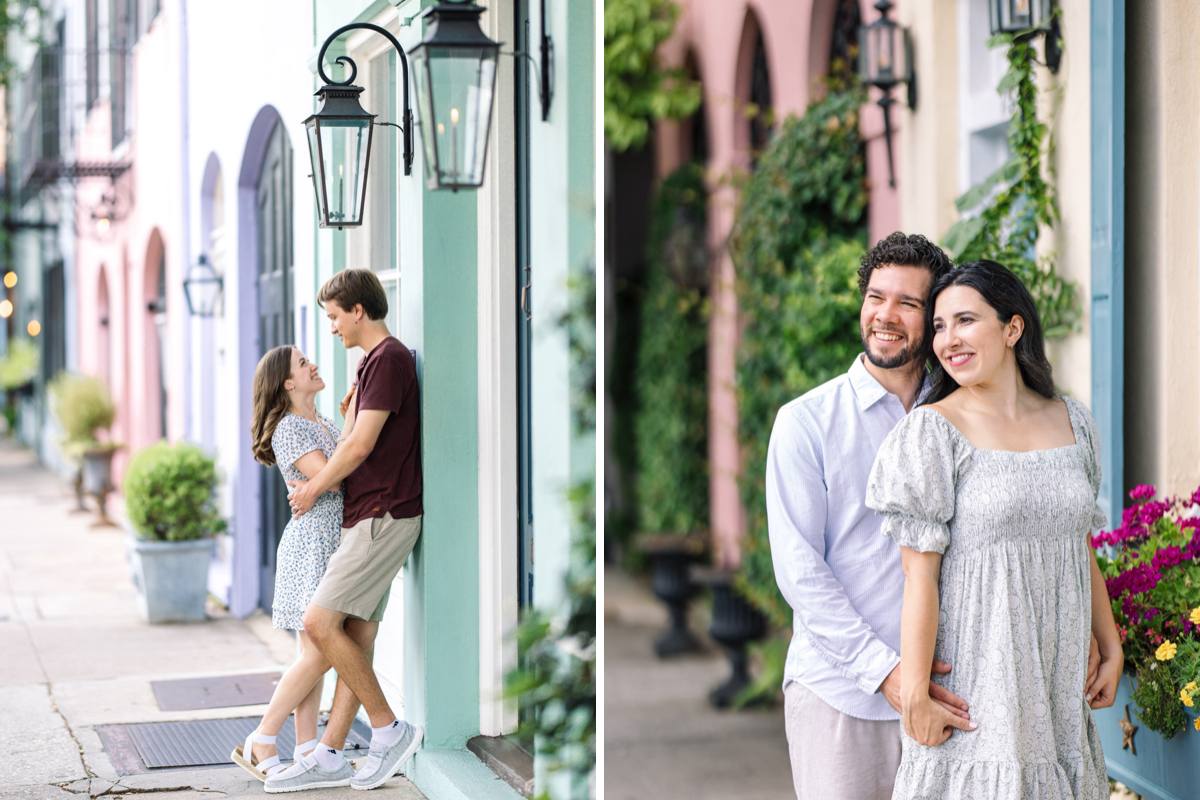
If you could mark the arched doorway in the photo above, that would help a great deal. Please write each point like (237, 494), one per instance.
(265, 252)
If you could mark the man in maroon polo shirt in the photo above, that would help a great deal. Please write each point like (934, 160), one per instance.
(378, 463)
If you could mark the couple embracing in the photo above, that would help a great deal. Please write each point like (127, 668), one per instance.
(929, 527)
(356, 515)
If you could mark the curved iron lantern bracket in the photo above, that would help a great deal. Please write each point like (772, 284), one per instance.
(406, 126)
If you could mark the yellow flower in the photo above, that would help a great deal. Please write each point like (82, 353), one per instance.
(1196, 722)
(1195, 616)
(1191, 687)
(1165, 651)
(1186, 697)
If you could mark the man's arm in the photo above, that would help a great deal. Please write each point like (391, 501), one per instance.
(347, 458)
(797, 510)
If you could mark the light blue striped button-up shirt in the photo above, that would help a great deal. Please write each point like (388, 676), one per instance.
(839, 573)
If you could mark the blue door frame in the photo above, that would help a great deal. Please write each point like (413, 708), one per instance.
(1108, 245)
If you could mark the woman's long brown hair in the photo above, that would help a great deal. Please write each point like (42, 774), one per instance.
(270, 401)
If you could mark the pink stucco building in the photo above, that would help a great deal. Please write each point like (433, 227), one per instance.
(748, 53)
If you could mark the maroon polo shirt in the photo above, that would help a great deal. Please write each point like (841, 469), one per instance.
(389, 481)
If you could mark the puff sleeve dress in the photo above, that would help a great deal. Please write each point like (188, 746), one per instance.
(310, 541)
(1015, 605)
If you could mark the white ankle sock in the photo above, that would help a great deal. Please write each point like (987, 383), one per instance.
(327, 757)
(388, 734)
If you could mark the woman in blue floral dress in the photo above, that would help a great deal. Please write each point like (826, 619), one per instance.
(288, 432)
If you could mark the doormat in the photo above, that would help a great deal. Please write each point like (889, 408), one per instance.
(141, 746)
(215, 691)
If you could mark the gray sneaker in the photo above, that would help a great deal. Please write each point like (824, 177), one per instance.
(382, 763)
(306, 773)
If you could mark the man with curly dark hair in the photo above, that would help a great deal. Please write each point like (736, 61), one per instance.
(838, 572)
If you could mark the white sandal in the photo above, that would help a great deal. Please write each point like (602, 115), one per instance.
(243, 756)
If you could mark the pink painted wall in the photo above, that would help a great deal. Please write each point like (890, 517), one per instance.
(719, 36)
(126, 259)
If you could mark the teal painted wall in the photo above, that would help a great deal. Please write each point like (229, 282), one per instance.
(442, 656)
(442, 647)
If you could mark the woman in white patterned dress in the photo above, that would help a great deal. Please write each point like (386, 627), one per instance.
(990, 490)
(287, 431)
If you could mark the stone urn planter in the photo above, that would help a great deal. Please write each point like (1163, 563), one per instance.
(169, 496)
(735, 624)
(96, 478)
(671, 558)
(1151, 765)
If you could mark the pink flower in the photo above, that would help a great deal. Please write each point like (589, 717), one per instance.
(1143, 491)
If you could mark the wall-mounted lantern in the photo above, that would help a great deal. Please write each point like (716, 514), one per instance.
(455, 81)
(1027, 19)
(202, 288)
(884, 61)
(455, 67)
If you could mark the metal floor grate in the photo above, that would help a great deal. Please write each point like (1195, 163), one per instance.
(217, 691)
(195, 743)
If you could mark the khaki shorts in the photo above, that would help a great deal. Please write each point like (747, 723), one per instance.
(360, 573)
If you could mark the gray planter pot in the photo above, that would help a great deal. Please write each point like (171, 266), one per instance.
(171, 578)
(97, 471)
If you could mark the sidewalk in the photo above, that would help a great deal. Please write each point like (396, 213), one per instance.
(662, 739)
(74, 655)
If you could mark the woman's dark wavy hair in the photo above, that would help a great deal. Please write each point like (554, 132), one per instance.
(1004, 292)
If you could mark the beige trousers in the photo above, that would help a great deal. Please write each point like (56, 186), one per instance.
(835, 756)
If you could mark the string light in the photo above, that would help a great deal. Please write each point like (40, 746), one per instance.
(34, 327)
(10, 279)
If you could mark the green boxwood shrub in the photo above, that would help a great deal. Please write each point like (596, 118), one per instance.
(169, 493)
(671, 391)
(797, 241)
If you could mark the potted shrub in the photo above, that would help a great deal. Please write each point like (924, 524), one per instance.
(1151, 566)
(171, 505)
(85, 411)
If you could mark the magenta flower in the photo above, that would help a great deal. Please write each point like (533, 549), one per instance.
(1142, 491)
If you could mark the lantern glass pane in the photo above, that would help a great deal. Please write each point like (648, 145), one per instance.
(318, 176)
(345, 145)
(425, 113)
(1014, 16)
(457, 114)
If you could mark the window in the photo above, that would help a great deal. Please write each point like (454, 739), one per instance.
(984, 115)
(92, 80)
(375, 245)
(119, 42)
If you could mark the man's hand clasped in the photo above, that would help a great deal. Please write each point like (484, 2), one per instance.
(301, 498)
(930, 714)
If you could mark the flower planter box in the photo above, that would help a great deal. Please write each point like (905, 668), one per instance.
(1163, 769)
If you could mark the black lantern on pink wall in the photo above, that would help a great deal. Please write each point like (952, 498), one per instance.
(884, 62)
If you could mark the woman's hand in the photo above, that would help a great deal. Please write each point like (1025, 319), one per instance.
(929, 722)
(1101, 692)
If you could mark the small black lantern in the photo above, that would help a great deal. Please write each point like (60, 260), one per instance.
(455, 74)
(202, 288)
(1026, 19)
(885, 60)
